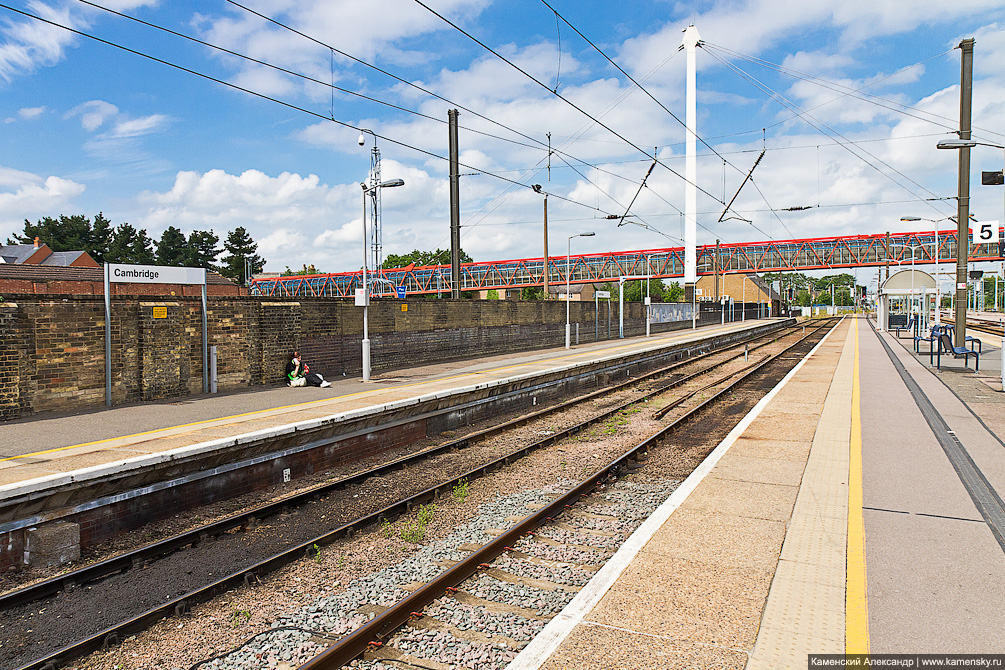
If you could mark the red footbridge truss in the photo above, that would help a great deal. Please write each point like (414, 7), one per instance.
(821, 253)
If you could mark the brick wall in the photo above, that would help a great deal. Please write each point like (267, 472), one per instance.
(52, 347)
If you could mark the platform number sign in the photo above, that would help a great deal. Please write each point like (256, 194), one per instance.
(985, 232)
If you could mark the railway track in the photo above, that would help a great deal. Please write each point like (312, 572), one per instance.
(688, 376)
(992, 327)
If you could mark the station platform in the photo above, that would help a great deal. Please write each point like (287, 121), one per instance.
(41, 450)
(855, 510)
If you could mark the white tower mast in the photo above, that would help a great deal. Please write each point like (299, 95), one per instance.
(691, 39)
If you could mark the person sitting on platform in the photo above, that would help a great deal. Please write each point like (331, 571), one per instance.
(299, 373)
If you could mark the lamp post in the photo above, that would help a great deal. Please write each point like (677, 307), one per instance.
(961, 250)
(370, 191)
(568, 254)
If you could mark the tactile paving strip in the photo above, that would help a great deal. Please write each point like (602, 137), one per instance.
(805, 608)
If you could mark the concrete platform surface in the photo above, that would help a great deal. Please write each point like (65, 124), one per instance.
(852, 532)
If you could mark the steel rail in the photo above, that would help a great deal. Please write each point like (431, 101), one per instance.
(250, 574)
(142, 555)
(987, 327)
(384, 624)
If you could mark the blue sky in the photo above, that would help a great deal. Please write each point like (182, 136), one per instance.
(86, 127)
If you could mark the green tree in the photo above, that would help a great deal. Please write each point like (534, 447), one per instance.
(120, 244)
(421, 258)
(240, 247)
(68, 233)
(674, 293)
(171, 248)
(532, 293)
(101, 237)
(141, 249)
(201, 250)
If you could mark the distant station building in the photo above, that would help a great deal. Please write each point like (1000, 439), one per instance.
(745, 288)
(39, 254)
(577, 292)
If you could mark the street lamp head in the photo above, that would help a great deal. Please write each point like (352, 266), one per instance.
(955, 144)
(362, 185)
(390, 183)
(587, 234)
(911, 218)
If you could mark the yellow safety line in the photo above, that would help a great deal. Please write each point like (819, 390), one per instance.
(856, 603)
(309, 403)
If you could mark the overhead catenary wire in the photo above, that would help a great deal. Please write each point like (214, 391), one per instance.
(892, 105)
(672, 115)
(283, 103)
(302, 76)
(557, 151)
(579, 109)
(410, 84)
(824, 129)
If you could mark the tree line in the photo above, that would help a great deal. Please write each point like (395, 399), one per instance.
(806, 290)
(124, 243)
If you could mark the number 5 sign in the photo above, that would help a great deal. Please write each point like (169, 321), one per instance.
(985, 232)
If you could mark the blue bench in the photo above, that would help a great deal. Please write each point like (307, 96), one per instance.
(907, 326)
(950, 329)
(946, 344)
(932, 338)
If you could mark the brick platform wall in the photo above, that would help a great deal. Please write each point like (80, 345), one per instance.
(52, 348)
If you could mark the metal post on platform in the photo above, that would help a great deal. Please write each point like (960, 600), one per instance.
(455, 206)
(205, 342)
(212, 369)
(743, 300)
(621, 307)
(108, 340)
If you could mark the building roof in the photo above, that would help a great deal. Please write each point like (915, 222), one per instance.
(68, 258)
(764, 286)
(906, 281)
(755, 279)
(17, 253)
(574, 289)
(30, 254)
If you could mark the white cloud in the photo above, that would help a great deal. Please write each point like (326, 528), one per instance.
(128, 128)
(26, 195)
(93, 113)
(120, 141)
(30, 112)
(363, 31)
(29, 44)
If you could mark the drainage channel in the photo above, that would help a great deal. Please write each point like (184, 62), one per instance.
(179, 605)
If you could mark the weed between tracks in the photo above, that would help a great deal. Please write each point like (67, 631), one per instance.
(415, 531)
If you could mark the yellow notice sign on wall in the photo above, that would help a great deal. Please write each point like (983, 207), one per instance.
(160, 312)
(404, 307)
